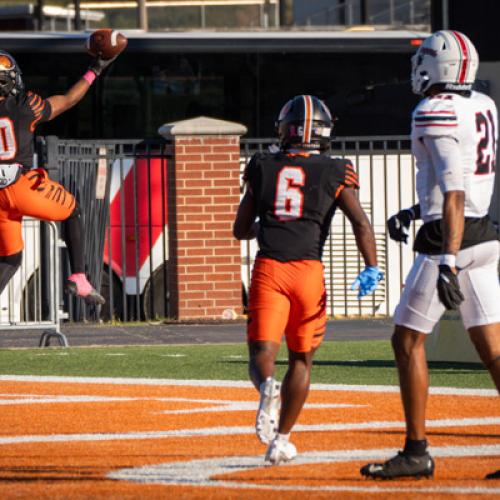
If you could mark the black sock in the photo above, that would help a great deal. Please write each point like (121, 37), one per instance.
(72, 235)
(416, 447)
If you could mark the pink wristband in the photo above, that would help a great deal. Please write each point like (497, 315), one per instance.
(89, 77)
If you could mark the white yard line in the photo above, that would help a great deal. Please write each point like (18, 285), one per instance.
(200, 472)
(239, 430)
(231, 383)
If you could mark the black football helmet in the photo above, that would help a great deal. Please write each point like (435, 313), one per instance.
(304, 122)
(11, 82)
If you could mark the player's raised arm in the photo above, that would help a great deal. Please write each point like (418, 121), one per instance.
(104, 45)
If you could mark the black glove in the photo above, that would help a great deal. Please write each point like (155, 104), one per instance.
(98, 65)
(449, 288)
(398, 225)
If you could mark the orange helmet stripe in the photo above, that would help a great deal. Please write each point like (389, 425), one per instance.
(307, 119)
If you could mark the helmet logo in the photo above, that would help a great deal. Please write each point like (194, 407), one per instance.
(428, 51)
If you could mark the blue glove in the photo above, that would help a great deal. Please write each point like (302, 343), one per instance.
(367, 281)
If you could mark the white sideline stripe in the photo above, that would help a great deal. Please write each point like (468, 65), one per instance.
(233, 383)
(248, 406)
(238, 430)
(63, 399)
(199, 472)
(217, 405)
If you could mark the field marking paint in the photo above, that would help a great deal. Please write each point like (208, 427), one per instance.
(234, 383)
(218, 405)
(226, 406)
(45, 399)
(238, 430)
(200, 472)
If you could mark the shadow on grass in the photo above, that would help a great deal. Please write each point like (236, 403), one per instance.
(462, 433)
(379, 363)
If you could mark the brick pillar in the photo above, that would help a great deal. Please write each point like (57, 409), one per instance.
(203, 196)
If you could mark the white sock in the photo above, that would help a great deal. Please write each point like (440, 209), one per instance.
(261, 386)
(283, 437)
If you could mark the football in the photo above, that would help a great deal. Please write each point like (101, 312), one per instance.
(106, 43)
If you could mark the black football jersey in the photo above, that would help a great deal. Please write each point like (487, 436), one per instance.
(296, 197)
(19, 116)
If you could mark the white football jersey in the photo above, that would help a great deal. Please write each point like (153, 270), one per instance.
(473, 123)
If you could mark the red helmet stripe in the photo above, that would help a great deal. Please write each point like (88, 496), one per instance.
(307, 119)
(464, 63)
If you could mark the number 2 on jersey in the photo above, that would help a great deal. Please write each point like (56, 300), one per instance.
(486, 146)
(8, 146)
(289, 199)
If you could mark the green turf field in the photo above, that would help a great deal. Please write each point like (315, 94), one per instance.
(335, 363)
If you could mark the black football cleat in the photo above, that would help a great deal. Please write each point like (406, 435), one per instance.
(493, 475)
(402, 465)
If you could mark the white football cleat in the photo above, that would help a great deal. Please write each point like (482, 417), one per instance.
(280, 451)
(266, 423)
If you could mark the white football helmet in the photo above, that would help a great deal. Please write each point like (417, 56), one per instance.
(446, 57)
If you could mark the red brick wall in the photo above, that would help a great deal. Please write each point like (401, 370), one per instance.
(204, 193)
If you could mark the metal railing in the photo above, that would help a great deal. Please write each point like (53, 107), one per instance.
(387, 176)
(389, 13)
(32, 298)
(122, 189)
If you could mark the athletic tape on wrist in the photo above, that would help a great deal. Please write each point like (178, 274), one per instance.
(448, 259)
(89, 77)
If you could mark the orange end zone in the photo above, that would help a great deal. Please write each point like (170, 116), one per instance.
(72, 438)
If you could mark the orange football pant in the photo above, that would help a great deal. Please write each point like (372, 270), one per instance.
(34, 195)
(287, 298)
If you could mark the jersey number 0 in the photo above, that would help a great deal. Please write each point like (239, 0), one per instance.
(8, 145)
(289, 199)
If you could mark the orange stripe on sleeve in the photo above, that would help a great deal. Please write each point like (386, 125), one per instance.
(339, 190)
(35, 101)
(38, 109)
(351, 179)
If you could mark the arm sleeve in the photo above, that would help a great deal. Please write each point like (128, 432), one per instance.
(39, 110)
(445, 156)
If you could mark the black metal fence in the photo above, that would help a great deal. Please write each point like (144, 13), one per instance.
(121, 186)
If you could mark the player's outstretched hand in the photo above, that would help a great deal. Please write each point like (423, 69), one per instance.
(98, 65)
(449, 288)
(398, 225)
(367, 281)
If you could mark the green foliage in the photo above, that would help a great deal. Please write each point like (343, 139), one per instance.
(359, 363)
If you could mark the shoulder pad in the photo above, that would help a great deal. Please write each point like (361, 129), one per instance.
(436, 116)
(348, 175)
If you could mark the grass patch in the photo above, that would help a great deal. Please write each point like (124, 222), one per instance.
(360, 363)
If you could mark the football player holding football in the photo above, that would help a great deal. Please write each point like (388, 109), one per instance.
(294, 194)
(25, 191)
(454, 141)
